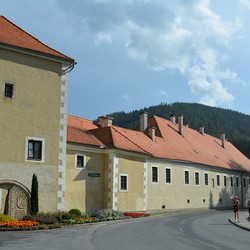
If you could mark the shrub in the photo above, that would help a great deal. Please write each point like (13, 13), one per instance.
(106, 214)
(75, 212)
(6, 218)
(34, 195)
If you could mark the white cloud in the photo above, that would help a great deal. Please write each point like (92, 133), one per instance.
(103, 37)
(246, 3)
(186, 36)
(160, 93)
(126, 97)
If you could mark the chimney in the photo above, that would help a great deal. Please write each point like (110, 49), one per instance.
(143, 121)
(223, 140)
(105, 121)
(202, 130)
(180, 122)
(172, 119)
(151, 133)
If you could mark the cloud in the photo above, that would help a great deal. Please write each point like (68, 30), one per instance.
(126, 97)
(160, 93)
(185, 36)
(103, 38)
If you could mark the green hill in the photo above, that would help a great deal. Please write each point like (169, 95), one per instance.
(215, 120)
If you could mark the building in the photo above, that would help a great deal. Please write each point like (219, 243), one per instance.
(33, 114)
(93, 165)
(162, 165)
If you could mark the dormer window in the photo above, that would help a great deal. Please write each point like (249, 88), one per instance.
(9, 90)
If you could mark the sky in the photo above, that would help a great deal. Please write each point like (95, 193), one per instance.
(133, 54)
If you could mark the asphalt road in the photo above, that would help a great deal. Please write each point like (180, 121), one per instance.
(200, 230)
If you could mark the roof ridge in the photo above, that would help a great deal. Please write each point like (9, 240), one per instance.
(131, 140)
(81, 118)
(62, 55)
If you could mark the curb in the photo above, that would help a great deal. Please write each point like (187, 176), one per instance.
(240, 224)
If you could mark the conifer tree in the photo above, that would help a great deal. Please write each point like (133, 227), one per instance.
(34, 196)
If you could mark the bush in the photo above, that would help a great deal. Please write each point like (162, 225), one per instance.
(106, 214)
(75, 212)
(6, 218)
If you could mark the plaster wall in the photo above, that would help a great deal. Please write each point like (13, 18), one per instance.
(34, 111)
(84, 186)
(132, 199)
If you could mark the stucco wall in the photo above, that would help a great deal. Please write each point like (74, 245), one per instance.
(132, 199)
(178, 195)
(34, 111)
(84, 186)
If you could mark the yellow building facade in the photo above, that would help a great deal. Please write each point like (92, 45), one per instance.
(33, 114)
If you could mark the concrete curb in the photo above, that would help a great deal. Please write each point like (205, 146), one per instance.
(243, 225)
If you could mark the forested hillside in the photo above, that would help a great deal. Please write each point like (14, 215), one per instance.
(216, 121)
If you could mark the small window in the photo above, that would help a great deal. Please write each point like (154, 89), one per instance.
(244, 182)
(80, 161)
(168, 175)
(155, 174)
(225, 181)
(9, 90)
(218, 180)
(197, 178)
(34, 150)
(206, 179)
(237, 181)
(186, 177)
(231, 181)
(123, 182)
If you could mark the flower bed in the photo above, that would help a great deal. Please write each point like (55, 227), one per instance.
(134, 214)
(19, 224)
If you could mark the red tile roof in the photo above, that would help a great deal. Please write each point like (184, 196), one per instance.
(13, 36)
(193, 147)
(77, 131)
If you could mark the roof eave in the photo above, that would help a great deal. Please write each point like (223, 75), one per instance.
(38, 54)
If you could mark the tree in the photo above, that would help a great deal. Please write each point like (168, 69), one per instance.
(34, 196)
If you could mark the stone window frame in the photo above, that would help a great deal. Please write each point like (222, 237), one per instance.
(170, 175)
(153, 181)
(27, 140)
(84, 161)
(121, 188)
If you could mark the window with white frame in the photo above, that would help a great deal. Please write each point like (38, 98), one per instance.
(80, 161)
(206, 179)
(154, 174)
(225, 181)
(231, 181)
(218, 180)
(237, 181)
(197, 178)
(186, 177)
(123, 182)
(168, 175)
(34, 149)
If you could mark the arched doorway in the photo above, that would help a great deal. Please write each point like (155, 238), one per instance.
(15, 199)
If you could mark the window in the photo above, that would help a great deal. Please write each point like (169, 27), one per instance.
(218, 180)
(225, 181)
(244, 182)
(80, 161)
(123, 182)
(155, 174)
(237, 181)
(34, 150)
(9, 90)
(197, 178)
(206, 179)
(231, 181)
(168, 175)
(186, 177)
